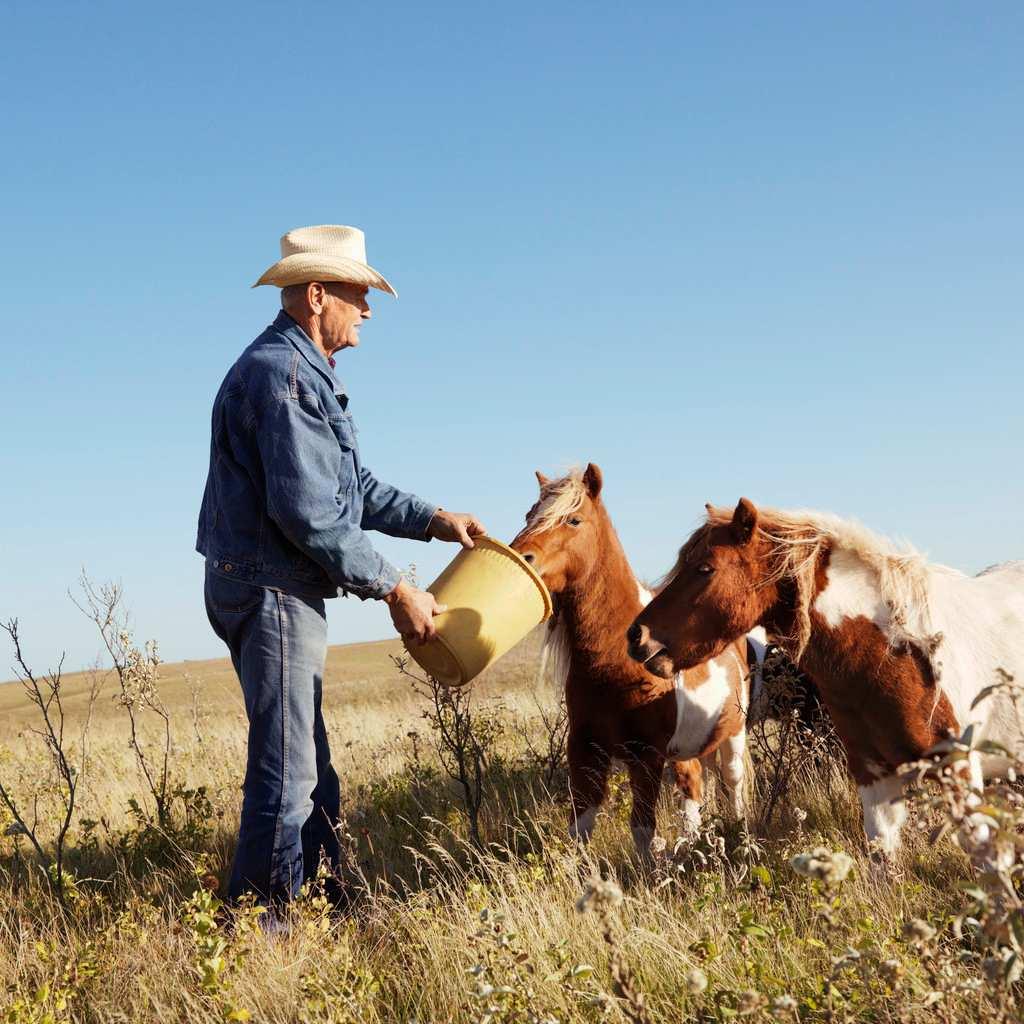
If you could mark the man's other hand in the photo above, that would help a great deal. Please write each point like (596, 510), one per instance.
(412, 612)
(458, 527)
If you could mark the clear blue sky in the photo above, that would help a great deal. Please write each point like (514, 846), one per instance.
(761, 249)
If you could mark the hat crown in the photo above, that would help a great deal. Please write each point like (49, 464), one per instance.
(326, 240)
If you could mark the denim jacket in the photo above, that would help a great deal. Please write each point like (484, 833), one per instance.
(287, 498)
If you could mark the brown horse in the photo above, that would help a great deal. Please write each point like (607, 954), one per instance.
(900, 649)
(616, 708)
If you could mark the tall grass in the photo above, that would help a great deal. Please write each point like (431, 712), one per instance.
(517, 926)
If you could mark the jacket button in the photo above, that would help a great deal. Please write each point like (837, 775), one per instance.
(216, 564)
(227, 567)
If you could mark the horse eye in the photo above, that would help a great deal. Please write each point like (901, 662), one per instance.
(705, 569)
(575, 522)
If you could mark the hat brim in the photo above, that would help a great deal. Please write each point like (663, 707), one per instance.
(302, 267)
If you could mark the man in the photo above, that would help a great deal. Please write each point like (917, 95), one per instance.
(283, 526)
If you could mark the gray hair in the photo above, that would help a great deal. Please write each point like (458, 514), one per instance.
(291, 294)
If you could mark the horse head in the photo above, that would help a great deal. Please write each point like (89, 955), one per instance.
(564, 528)
(719, 589)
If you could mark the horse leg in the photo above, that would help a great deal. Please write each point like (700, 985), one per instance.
(645, 773)
(885, 811)
(689, 777)
(588, 780)
(731, 767)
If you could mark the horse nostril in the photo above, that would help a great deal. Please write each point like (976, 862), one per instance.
(529, 558)
(635, 634)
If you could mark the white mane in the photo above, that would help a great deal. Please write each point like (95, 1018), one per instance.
(555, 653)
(905, 578)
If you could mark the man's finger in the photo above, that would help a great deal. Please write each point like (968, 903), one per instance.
(464, 538)
(475, 527)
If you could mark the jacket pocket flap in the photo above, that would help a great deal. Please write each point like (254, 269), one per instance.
(344, 430)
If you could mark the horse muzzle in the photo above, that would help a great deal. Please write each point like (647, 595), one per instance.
(652, 655)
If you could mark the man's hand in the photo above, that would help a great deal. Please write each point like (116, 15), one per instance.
(459, 527)
(412, 612)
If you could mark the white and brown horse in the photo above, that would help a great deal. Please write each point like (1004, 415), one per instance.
(617, 709)
(900, 649)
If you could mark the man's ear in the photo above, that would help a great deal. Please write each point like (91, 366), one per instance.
(316, 297)
(593, 479)
(542, 480)
(744, 520)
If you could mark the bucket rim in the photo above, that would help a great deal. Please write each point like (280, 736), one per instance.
(497, 545)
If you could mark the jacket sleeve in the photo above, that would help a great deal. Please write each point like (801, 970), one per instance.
(397, 513)
(302, 462)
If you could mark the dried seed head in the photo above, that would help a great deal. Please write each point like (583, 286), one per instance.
(695, 981)
(829, 866)
(891, 971)
(918, 931)
(783, 1006)
(749, 1002)
(598, 895)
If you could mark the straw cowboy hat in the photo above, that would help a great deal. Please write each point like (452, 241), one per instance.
(327, 252)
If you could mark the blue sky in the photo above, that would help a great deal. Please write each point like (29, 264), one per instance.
(771, 250)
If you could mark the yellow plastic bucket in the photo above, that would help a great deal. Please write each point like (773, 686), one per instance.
(493, 598)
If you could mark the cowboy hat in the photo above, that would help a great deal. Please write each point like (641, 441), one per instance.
(326, 252)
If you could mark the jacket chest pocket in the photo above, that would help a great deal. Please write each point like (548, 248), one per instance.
(345, 431)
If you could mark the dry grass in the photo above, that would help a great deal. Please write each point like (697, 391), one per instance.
(446, 933)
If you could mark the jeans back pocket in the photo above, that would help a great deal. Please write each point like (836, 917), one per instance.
(231, 596)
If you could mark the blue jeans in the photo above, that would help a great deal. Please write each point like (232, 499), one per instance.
(291, 795)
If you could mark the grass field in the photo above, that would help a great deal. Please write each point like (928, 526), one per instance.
(517, 929)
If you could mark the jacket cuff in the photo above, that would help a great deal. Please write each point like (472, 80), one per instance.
(419, 523)
(380, 587)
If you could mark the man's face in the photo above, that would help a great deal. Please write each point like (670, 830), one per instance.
(344, 310)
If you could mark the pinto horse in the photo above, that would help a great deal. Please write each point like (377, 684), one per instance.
(616, 708)
(900, 649)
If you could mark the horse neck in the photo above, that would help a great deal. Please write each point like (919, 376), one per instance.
(781, 621)
(598, 608)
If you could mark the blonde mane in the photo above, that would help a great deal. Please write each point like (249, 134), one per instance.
(797, 540)
(559, 499)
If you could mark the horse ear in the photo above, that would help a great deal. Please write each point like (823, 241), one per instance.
(541, 479)
(744, 520)
(593, 479)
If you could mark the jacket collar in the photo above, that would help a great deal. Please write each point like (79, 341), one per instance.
(286, 326)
